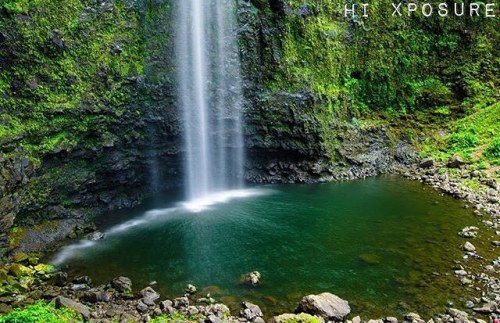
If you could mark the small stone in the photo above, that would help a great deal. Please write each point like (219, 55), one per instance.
(467, 246)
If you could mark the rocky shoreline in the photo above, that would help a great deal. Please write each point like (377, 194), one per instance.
(28, 281)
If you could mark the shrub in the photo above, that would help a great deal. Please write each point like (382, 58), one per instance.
(463, 140)
(40, 313)
(493, 150)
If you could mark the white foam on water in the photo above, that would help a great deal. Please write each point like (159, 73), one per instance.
(203, 203)
(193, 206)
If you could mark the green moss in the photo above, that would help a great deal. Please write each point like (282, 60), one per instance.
(41, 313)
(64, 82)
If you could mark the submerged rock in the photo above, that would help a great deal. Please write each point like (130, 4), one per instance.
(325, 305)
(252, 279)
(190, 289)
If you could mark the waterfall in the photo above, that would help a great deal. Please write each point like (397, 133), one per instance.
(209, 87)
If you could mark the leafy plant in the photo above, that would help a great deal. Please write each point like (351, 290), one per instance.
(40, 313)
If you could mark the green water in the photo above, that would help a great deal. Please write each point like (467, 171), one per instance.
(377, 243)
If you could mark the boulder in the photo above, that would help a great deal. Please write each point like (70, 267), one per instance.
(61, 302)
(427, 163)
(251, 311)
(60, 279)
(122, 284)
(252, 279)
(325, 305)
(149, 296)
(455, 161)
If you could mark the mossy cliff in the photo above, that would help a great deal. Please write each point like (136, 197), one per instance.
(84, 92)
(89, 120)
(429, 82)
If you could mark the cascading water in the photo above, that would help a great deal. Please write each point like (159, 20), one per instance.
(209, 85)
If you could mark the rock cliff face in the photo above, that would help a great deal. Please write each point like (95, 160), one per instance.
(131, 144)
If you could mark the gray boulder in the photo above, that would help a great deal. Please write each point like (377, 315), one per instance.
(122, 284)
(149, 296)
(455, 161)
(325, 305)
(251, 311)
(63, 302)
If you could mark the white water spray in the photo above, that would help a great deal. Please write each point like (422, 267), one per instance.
(209, 85)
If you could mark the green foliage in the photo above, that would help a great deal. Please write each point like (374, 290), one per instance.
(64, 74)
(40, 313)
(177, 317)
(463, 140)
(386, 63)
(493, 150)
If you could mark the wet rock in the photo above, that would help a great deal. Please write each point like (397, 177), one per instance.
(325, 305)
(455, 161)
(122, 284)
(299, 318)
(62, 302)
(252, 279)
(251, 311)
(20, 257)
(19, 270)
(427, 163)
(469, 247)
(95, 236)
(190, 289)
(149, 296)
